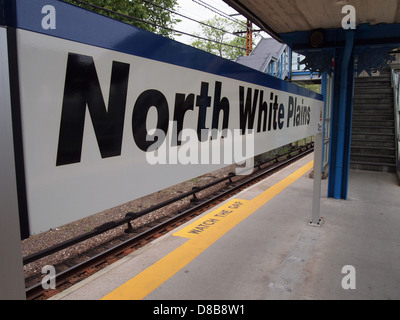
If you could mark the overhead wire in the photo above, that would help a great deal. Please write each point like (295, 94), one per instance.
(219, 12)
(192, 19)
(223, 14)
(154, 24)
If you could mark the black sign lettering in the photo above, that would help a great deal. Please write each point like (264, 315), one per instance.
(82, 92)
(146, 100)
(281, 116)
(262, 113)
(203, 101)
(220, 104)
(275, 107)
(82, 89)
(182, 104)
(291, 107)
(248, 110)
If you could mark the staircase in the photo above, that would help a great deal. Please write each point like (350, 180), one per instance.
(373, 131)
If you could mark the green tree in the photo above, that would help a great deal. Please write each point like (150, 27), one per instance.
(153, 11)
(222, 41)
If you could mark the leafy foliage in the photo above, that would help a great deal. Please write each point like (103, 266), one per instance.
(223, 43)
(158, 18)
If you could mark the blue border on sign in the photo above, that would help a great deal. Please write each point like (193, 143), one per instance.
(80, 25)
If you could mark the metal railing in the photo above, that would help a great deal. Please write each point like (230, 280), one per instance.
(130, 216)
(396, 88)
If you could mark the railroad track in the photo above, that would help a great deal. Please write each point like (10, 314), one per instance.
(142, 236)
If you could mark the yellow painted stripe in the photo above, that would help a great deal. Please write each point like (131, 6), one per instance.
(201, 233)
(217, 222)
(267, 195)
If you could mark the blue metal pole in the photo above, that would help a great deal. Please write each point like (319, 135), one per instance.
(341, 132)
(349, 121)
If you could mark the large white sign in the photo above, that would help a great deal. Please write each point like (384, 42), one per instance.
(88, 116)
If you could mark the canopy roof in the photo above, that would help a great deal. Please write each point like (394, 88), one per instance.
(278, 17)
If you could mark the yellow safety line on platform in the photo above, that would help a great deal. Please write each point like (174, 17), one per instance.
(202, 233)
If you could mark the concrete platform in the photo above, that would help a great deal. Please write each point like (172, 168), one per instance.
(258, 245)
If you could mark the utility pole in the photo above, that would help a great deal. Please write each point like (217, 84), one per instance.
(249, 37)
(249, 34)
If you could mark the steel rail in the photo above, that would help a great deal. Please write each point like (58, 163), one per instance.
(36, 289)
(130, 216)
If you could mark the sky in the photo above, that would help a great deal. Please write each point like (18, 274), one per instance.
(193, 9)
